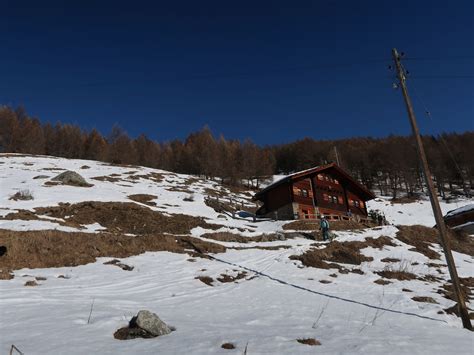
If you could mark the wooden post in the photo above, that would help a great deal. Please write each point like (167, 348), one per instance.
(443, 232)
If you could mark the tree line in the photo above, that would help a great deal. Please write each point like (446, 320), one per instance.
(386, 165)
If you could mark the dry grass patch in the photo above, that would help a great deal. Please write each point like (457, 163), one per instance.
(31, 283)
(341, 252)
(124, 217)
(143, 198)
(424, 299)
(467, 284)
(272, 247)
(421, 238)
(382, 282)
(44, 249)
(308, 341)
(237, 238)
(228, 278)
(404, 200)
(397, 275)
(390, 260)
(106, 178)
(23, 195)
(313, 225)
(6, 275)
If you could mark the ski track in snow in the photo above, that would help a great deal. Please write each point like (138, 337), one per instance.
(278, 302)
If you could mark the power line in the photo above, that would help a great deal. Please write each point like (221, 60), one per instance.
(461, 57)
(443, 76)
(428, 115)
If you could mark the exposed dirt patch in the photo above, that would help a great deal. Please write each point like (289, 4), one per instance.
(382, 282)
(396, 274)
(31, 283)
(155, 177)
(179, 189)
(405, 199)
(228, 278)
(51, 183)
(313, 225)
(53, 169)
(308, 341)
(117, 262)
(37, 177)
(390, 260)
(467, 285)
(455, 310)
(143, 198)
(44, 249)
(424, 299)
(430, 278)
(435, 265)
(228, 346)
(406, 290)
(85, 167)
(325, 281)
(422, 237)
(106, 178)
(124, 217)
(205, 279)
(272, 247)
(341, 252)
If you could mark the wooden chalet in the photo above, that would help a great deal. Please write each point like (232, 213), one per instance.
(324, 190)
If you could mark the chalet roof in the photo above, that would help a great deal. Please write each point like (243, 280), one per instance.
(460, 210)
(303, 173)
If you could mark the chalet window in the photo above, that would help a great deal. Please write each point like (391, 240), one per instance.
(340, 200)
(356, 203)
(334, 199)
(325, 197)
(336, 181)
(305, 214)
(361, 204)
(320, 177)
(304, 193)
(326, 177)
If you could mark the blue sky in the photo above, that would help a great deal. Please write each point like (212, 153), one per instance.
(272, 71)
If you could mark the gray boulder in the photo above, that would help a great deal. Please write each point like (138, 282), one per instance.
(152, 323)
(71, 178)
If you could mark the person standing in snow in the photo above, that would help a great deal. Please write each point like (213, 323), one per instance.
(324, 227)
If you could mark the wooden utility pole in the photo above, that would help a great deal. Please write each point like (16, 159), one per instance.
(443, 232)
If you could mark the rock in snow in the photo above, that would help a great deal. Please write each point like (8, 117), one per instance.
(71, 178)
(152, 323)
(144, 325)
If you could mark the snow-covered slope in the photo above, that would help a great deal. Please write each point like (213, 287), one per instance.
(276, 302)
(418, 212)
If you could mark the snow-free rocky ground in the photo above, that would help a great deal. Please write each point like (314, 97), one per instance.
(276, 302)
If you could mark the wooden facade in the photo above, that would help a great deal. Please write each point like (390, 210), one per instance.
(325, 190)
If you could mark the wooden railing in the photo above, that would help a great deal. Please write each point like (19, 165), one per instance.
(333, 217)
